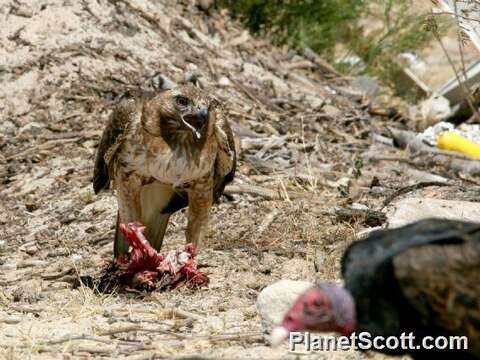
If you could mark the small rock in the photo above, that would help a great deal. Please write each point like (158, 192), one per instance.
(343, 182)
(11, 320)
(358, 206)
(409, 210)
(224, 81)
(422, 176)
(76, 257)
(22, 10)
(205, 4)
(32, 250)
(30, 206)
(435, 109)
(274, 301)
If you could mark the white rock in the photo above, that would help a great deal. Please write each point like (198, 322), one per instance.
(205, 4)
(410, 210)
(358, 206)
(11, 320)
(76, 257)
(7, 127)
(274, 301)
(224, 81)
(417, 176)
(434, 109)
(342, 182)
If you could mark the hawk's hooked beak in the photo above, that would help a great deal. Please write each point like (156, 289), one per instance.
(196, 121)
(203, 114)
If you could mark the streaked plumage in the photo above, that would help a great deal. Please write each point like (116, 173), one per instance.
(164, 151)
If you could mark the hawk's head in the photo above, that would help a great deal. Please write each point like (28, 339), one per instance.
(185, 112)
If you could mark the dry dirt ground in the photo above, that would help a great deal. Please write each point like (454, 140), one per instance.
(307, 151)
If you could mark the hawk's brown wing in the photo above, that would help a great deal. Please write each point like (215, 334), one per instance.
(226, 160)
(112, 139)
(442, 282)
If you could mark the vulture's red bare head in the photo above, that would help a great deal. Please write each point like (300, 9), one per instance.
(325, 308)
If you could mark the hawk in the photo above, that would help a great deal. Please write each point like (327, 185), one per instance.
(164, 151)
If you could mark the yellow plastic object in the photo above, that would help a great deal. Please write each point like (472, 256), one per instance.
(452, 141)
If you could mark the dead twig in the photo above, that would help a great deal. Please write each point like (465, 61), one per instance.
(256, 336)
(135, 328)
(371, 218)
(182, 314)
(69, 338)
(267, 221)
(400, 159)
(324, 66)
(45, 146)
(125, 329)
(268, 194)
(57, 275)
(94, 349)
(463, 84)
(74, 134)
(410, 188)
(258, 99)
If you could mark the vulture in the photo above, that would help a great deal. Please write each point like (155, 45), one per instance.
(422, 278)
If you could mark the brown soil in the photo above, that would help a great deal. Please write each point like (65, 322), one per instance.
(305, 138)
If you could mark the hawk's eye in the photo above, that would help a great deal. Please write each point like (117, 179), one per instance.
(182, 100)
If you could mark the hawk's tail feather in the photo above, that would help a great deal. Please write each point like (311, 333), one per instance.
(155, 229)
(120, 244)
(101, 180)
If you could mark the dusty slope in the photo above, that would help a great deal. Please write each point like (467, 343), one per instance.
(61, 66)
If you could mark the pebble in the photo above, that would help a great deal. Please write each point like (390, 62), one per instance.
(274, 301)
(11, 320)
